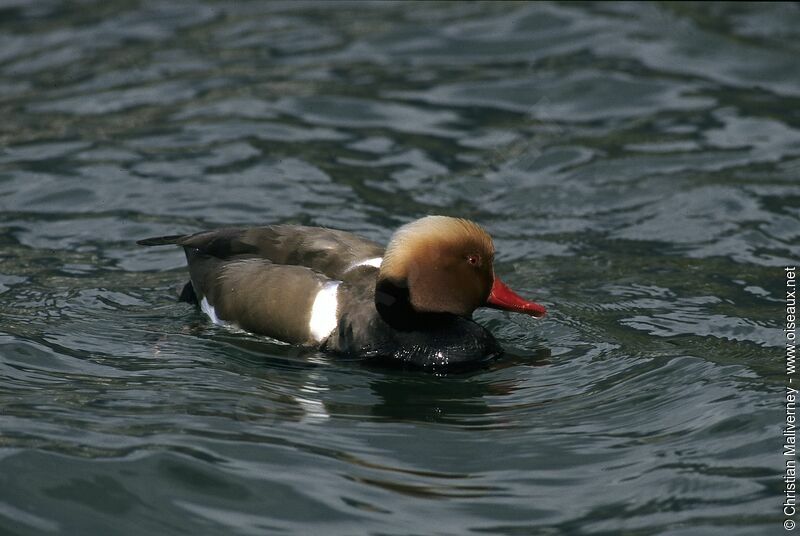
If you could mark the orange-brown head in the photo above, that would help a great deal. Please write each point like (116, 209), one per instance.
(439, 264)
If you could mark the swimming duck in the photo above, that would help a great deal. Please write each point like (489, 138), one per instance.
(411, 302)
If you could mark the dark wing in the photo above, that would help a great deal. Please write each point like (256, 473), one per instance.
(257, 295)
(327, 251)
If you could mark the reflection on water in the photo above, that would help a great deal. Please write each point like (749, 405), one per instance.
(637, 165)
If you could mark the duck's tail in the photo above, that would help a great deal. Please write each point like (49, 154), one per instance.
(187, 294)
(161, 240)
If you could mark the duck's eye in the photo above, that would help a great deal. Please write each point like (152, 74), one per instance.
(474, 260)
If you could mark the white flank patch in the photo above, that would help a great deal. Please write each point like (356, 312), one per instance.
(323, 312)
(209, 310)
(374, 262)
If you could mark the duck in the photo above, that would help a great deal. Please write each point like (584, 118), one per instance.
(410, 303)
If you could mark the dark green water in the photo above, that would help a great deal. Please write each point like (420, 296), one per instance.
(637, 165)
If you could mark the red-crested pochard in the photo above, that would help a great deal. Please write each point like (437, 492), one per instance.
(412, 302)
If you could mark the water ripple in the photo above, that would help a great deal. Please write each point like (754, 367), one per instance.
(636, 164)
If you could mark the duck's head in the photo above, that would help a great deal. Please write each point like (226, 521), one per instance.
(439, 264)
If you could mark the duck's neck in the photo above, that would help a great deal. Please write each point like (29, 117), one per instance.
(393, 302)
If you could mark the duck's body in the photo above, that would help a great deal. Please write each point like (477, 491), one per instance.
(340, 292)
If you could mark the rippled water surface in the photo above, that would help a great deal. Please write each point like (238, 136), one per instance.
(637, 165)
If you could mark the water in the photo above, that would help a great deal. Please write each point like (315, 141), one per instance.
(637, 165)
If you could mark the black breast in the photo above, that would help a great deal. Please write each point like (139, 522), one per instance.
(448, 345)
(443, 341)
